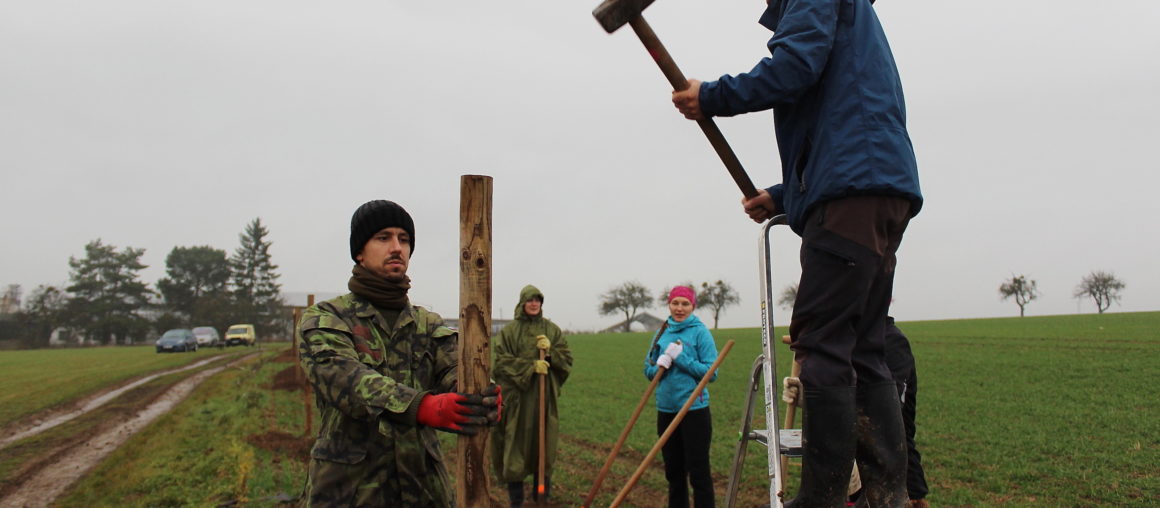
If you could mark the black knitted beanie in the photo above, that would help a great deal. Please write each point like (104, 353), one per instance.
(372, 217)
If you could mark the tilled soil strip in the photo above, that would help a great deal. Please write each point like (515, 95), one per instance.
(44, 486)
(56, 417)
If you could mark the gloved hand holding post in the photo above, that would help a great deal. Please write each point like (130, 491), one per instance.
(493, 399)
(459, 413)
(674, 350)
(542, 366)
(542, 342)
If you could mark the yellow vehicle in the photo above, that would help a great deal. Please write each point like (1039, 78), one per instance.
(240, 335)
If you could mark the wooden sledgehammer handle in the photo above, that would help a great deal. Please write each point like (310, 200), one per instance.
(677, 79)
(672, 427)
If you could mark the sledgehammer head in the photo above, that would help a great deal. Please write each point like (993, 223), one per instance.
(613, 14)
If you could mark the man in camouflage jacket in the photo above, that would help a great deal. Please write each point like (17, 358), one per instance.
(384, 377)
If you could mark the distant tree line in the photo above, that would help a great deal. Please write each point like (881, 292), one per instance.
(105, 302)
(1102, 287)
(629, 298)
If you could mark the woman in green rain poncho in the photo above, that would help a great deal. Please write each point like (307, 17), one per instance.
(518, 369)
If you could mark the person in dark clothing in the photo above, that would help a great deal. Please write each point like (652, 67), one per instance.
(901, 362)
(849, 188)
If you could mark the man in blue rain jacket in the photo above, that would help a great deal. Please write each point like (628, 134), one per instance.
(849, 188)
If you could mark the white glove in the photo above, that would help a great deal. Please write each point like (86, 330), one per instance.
(665, 361)
(674, 350)
(791, 390)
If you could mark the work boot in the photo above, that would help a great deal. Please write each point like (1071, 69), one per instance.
(881, 449)
(516, 494)
(828, 442)
(919, 503)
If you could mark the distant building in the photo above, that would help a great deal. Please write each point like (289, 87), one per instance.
(647, 322)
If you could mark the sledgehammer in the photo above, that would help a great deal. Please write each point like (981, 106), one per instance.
(613, 14)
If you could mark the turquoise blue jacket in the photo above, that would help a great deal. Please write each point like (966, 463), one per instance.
(837, 103)
(688, 367)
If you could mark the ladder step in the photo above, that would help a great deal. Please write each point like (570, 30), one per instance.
(790, 440)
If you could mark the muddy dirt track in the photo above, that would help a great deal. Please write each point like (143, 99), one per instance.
(39, 484)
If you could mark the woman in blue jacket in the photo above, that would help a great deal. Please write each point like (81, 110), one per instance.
(685, 349)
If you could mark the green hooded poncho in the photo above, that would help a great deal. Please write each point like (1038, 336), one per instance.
(515, 442)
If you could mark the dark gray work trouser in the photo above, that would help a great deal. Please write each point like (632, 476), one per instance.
(839, 317)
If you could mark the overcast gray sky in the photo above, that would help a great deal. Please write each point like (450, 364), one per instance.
(156, 124)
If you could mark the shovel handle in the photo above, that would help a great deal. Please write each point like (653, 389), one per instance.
(543, 430)
(677, 79)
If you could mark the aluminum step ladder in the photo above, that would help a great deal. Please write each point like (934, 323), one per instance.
(789, 443)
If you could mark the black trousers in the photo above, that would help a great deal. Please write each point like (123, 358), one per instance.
(901, 361)
(839, 317)
(686, 456)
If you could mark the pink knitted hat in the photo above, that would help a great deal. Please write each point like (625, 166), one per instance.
(685, 292)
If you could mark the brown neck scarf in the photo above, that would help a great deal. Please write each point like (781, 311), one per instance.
(381, 292)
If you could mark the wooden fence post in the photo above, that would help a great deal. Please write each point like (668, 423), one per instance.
(474, 330)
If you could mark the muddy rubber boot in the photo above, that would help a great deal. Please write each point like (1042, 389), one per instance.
(516, 494)
(828, 442)
(881, 449)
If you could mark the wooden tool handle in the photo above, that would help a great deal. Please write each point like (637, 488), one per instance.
(677, 79)
(543, 431)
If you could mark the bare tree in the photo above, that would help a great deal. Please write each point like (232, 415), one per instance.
(44, 312)
(1021, 288)
(1101, 286)
(626, 298)
(788, 296)
(717, 296)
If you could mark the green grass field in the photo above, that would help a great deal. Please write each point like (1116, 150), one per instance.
(1048, 411)
(1045, 411)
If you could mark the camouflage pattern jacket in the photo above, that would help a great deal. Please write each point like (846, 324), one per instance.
(368, 379)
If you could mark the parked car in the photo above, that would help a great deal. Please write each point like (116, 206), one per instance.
(240, 335)
(207, 336)
(177, 339)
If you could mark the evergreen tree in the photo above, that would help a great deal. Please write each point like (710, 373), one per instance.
(256, 293)
(105, 295)
(196, 285)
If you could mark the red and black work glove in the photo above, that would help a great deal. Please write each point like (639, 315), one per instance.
(495, 412)
(459, 413)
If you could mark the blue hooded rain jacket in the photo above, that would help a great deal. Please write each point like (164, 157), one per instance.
(699, 353)
(839, 114)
